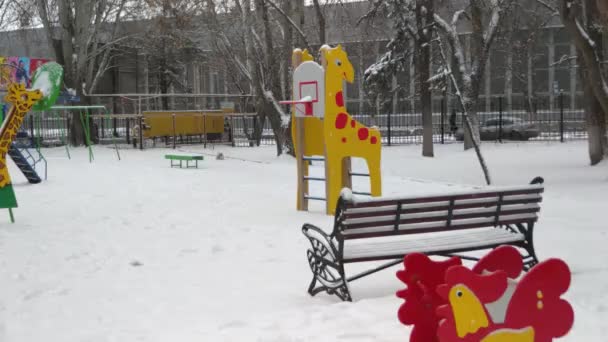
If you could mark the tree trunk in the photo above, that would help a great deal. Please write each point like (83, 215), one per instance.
(286, 66)
(590, 50)
(423, 69)
(272, 80)
(602, 6)
(595, 120)
(320, 22)
(471, 110)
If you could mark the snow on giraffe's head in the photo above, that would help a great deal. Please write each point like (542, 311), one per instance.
(338, 63)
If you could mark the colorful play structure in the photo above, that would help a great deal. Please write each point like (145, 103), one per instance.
(46, 83)
(492, 302)
(322, 130)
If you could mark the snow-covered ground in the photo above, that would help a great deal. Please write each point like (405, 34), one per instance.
(133, 250)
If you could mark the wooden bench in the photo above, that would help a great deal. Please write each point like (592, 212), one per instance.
(443, 225)
(181, 158)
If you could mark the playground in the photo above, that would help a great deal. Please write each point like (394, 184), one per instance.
(135, 250)
(119, 245)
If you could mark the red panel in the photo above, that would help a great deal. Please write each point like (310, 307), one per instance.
(536, 302)
(505, 258)
(422, 275)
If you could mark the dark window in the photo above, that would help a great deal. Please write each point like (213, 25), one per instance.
(562, 79)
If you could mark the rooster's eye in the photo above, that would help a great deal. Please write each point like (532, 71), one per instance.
(338, 62)
(459, 294)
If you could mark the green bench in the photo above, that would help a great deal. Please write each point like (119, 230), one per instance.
(182, 158)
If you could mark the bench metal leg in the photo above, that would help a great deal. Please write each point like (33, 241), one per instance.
(327, 270)
(531, 259)
(329, 275)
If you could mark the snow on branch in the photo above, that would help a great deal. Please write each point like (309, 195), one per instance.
(440, 76)
(454, 41)
(584, 33)
(456, 16)
(548, 6)
(494, 22)
(284, 117)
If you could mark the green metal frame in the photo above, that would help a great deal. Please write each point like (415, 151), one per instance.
(38, 126)
(85, 120)
(108, 120)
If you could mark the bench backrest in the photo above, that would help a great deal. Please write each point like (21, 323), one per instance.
(357, 218)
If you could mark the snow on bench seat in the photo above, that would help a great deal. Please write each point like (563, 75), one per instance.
(428, 243)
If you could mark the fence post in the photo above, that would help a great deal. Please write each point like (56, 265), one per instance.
(561, 116)
(33, 138)
(443, 120)
(128, 121)
(500, 119)
(389, 127)
(103, 129)
(174, 137)
(141, 133)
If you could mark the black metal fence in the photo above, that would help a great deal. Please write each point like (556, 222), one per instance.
(515, 119)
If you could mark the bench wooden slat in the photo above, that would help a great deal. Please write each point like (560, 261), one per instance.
(435, 226)
(438, 206)
(422, 199)
(409, 218)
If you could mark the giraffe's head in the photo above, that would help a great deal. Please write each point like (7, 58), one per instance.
(338, 63)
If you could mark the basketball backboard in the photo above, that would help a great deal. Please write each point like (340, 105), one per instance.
(309, 85)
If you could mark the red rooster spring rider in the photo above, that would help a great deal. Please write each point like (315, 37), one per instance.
(448, 302)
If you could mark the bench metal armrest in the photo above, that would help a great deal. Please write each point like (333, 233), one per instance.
(317, 236)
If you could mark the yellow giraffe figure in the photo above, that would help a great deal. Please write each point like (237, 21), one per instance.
(344, 136)
(338, 136)
(22, 101)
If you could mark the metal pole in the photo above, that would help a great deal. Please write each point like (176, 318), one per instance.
(389, 128)
(141, 133)
(174, 135)
(561, 116)
(443, 120)
(127, 131)
(500, 119)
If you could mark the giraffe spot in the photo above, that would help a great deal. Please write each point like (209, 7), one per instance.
(2, 166)
(363, 133)
(374, 140)
(341, 120)
(340, 99)
(344, 140)
(353, 123)
(1, 178)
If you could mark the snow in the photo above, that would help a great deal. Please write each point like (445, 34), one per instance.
(133, 250)
(584, 34)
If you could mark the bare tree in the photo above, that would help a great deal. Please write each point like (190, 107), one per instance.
(485, 18)
(168, 43)
(82, 35)
(320, 21)
(522, 36)
(413, 23)
(582, 18)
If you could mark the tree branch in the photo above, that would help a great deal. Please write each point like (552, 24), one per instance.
(294, 25)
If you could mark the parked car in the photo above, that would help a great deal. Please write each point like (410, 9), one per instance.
(512, 128)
